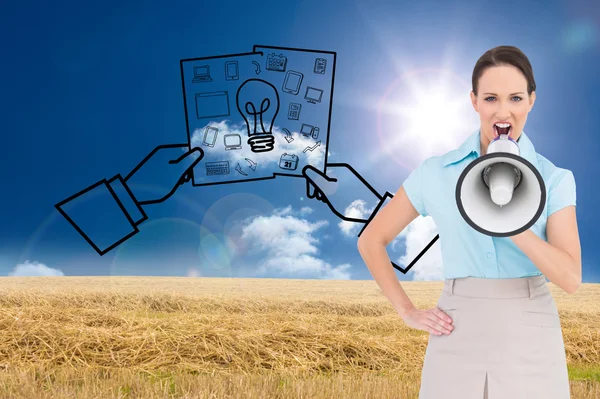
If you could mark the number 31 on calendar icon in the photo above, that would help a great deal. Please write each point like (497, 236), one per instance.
(288, 161)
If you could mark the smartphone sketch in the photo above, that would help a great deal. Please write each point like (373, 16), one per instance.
(231, 70)
(210, 136)
(292, 82)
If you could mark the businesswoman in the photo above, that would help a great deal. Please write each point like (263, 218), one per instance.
(495, 330)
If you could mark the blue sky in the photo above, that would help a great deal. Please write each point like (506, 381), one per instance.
(90, 89)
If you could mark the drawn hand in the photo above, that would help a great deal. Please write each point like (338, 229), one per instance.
(327, 188)
(163, 170)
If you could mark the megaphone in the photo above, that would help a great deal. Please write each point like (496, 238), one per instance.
(501, 194)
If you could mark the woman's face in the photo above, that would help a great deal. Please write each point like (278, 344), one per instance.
(502, 97)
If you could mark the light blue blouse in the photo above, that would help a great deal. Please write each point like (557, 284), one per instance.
(465, 251)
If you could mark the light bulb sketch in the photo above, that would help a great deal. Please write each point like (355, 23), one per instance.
(259, 120)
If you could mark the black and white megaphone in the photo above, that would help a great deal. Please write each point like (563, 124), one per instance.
(501, 194)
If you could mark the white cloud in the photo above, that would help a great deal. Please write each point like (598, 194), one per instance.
(283, 211)
(418, 234)
(356, 210)
(290, 247)
(307, 265)
(306, 210)
(34, 269)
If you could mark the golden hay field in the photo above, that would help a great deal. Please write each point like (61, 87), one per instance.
(159, 337)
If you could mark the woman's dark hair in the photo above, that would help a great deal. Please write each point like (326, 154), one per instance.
(504, 55)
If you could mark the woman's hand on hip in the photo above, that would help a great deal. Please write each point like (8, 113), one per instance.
(432, 320)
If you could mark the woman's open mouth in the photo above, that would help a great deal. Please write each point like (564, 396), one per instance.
(502, 128)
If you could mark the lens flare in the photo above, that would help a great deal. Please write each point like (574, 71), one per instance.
(424, 112)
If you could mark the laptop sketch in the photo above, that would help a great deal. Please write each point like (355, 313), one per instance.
(201, 74)
(232, 141)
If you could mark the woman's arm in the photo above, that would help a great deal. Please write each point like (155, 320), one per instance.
(385, 226)
(559, 259)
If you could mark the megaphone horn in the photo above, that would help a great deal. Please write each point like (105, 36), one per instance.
(501, 194)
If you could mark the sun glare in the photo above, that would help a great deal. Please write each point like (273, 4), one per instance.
(435, 121)
(425, 113)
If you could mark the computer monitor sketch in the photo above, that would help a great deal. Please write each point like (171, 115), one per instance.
(306, 130)
(313, 95)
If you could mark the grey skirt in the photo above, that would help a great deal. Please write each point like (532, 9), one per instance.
(507, 342)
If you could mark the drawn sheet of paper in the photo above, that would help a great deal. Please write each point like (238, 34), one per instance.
(258, 115)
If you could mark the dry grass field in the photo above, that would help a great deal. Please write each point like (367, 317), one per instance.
(162, 337)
